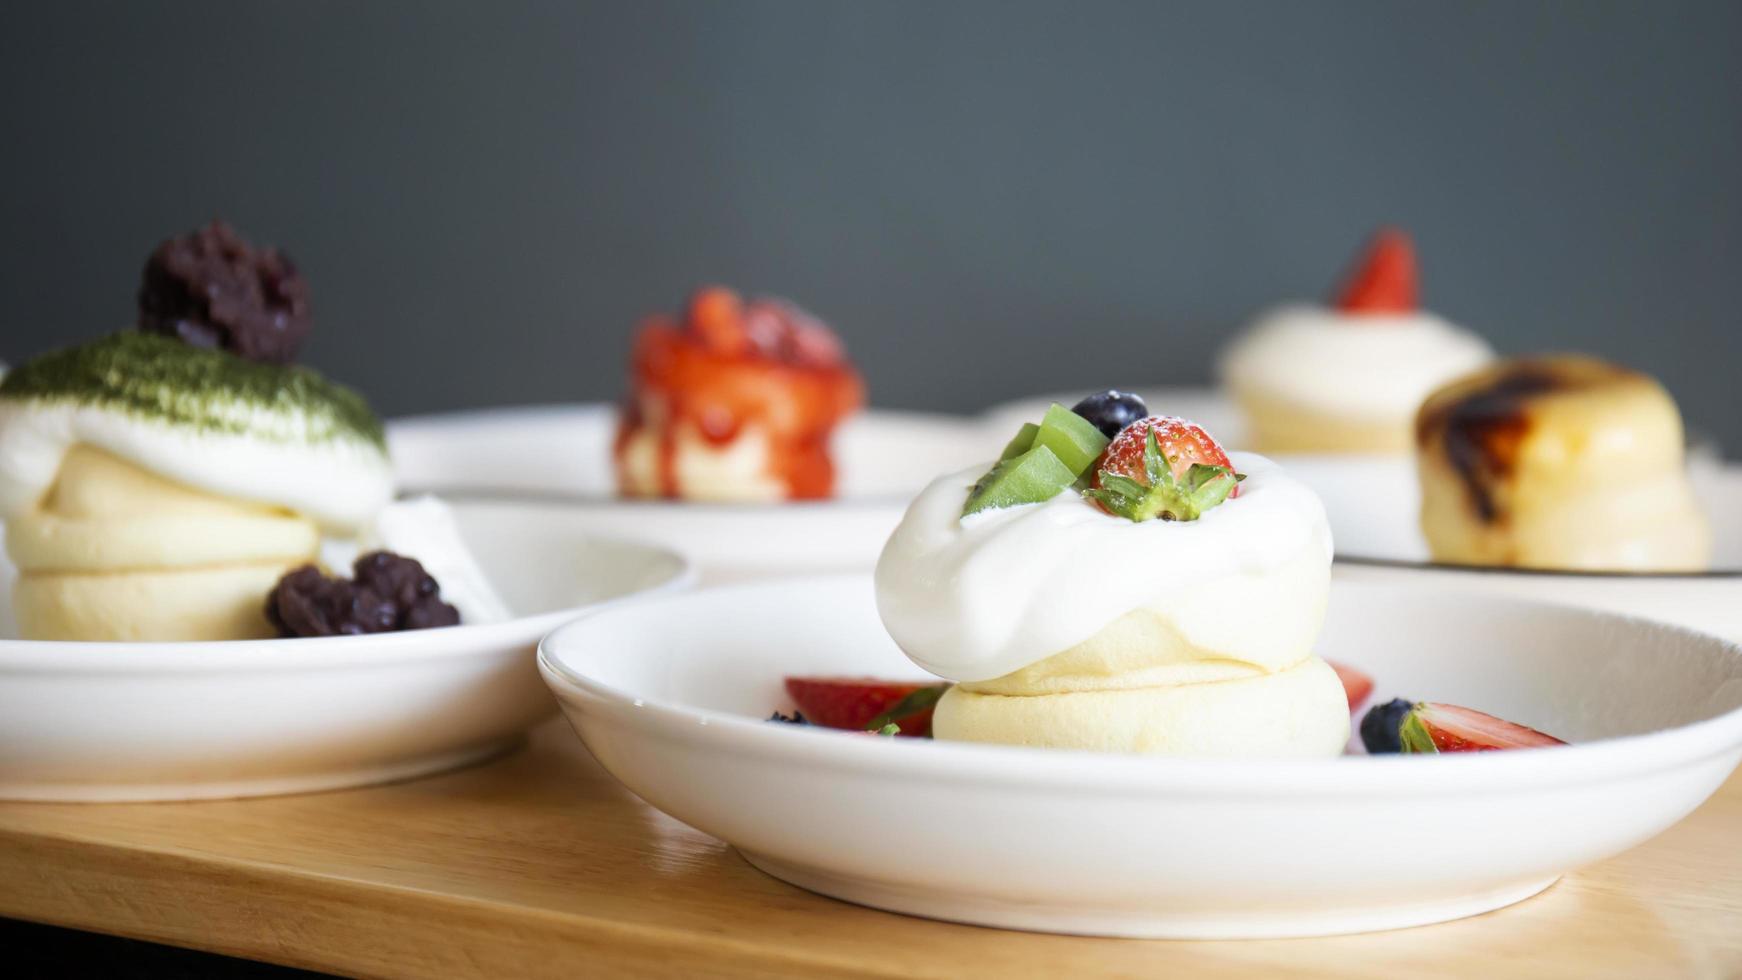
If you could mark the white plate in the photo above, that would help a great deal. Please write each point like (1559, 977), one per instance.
(564, 453)
(176, 721)
(668, 694)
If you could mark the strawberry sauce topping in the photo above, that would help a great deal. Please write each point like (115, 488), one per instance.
(1385, 279)
(727, 363)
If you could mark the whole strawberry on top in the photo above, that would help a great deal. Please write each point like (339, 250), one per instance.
(1110, 583)
(1163, 467)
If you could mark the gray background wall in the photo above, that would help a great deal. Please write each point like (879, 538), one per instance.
(986, 199)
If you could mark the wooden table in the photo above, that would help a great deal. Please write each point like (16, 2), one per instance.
(539, 864)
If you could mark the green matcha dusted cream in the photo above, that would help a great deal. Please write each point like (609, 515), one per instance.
(165, 380)
(269, 433)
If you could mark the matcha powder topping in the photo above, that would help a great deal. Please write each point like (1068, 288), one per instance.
(165, 379)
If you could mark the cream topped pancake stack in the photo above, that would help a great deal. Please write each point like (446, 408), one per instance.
(734, 401)
(157, 484)
(1348, 378)
(1558, 462)
(1145, 593)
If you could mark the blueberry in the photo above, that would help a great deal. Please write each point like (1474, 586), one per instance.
(1382, 726)
(1111, 410)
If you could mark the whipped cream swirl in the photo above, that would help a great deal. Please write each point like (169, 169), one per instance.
(260, 433)
(339, 483)
(974, 599)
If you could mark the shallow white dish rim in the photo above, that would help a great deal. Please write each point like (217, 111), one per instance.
(1459, 773)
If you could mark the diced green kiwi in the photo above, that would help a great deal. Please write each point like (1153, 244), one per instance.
(1023, 442)
(1072, 438)
(1033, 477)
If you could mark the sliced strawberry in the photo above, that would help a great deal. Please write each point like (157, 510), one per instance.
(1163, 467)
(1356, 685)
(767, 326)
(1430, 727)
(1385, 279)
(716, 317)
(865, 703)
(1455, 729)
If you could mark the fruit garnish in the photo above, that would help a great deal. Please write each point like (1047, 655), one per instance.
(1384, 281)
(923, 699)
(1382, 726)
(863, 703)
(889, 729)
(1111, 410)
(1163, 467)
(796, 718)
(1356, 685)
(1033, 477)
(1039, 463)
(716, 318)
(1450, 728)
(1023, 442)
(1072, 438)
(763, 327)
(1430, 727)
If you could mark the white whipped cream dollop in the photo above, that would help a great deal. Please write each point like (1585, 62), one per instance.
(340, 483)
(1353, 365)
(977, 598)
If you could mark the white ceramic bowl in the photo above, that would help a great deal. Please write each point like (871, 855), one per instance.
(174, 721)
(563, 452)
(668, 693)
